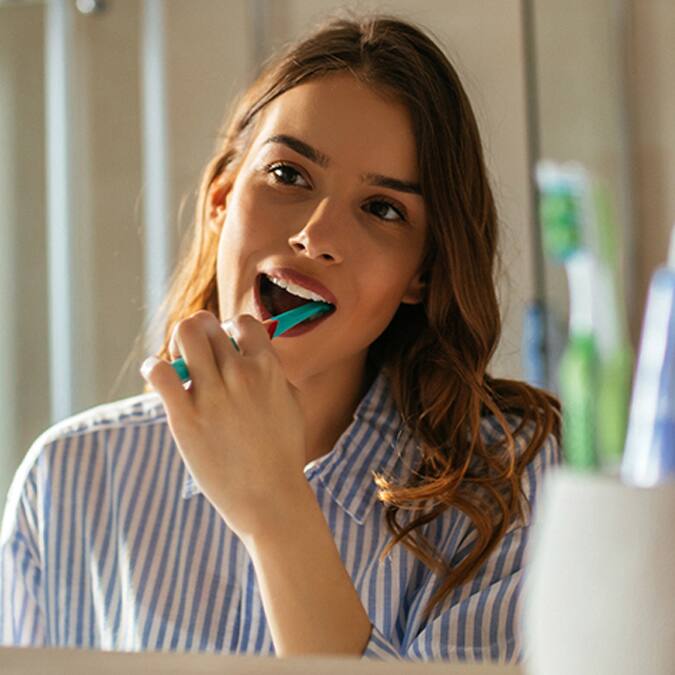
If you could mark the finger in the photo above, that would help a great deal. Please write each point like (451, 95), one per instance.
(190, 340)
(221, 345)
(251, 335)
(206, 319)
(165, 381)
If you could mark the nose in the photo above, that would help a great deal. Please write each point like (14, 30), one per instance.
(320, 236)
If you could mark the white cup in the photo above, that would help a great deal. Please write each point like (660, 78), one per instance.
(599, 591)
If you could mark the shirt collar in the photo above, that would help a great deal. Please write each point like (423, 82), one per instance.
(375, 441)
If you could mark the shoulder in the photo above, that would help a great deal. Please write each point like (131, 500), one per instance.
(542, 459)
(60, 440)
(545, 456)
(136, 411)
(548, 451)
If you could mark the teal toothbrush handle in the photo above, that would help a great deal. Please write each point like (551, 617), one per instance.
(286, 321)
(293, 317)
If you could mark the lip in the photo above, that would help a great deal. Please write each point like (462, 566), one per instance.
(296, 330)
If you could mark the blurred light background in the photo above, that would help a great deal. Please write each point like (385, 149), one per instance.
(110, 109)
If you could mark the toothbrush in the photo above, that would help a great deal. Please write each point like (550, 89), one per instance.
(562, 240)
(579, 367)
(610, 324)
(285, 322)
(576, 215)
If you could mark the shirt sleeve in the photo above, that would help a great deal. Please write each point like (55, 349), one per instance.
(21, 611)
(480, 620)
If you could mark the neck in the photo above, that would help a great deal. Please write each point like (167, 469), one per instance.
(328, 401)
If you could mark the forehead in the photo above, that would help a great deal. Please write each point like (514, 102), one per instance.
(348, 121)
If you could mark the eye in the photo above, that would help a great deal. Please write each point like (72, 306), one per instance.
(384, 206)
(286, 174)
(279, 169)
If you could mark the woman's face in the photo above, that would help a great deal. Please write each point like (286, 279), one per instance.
(306, 197)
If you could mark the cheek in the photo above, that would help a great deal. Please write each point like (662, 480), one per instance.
(386, 283)
(246, 226)
(380, 296)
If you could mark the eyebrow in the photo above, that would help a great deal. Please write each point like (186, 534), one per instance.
(322, 160)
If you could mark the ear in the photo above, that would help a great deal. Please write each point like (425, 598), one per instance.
(216, 201)
(415, 292)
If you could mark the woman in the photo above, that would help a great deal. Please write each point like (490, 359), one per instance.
(360, 488)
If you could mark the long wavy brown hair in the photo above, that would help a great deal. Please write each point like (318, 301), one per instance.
(435, 353)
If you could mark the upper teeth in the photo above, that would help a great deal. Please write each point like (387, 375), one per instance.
(297, 290)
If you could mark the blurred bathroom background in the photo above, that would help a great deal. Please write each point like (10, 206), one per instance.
(110, 109)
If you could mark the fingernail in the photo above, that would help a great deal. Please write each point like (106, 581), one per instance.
(148, 365)
(271, 327)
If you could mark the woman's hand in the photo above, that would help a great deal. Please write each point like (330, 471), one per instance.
(241, 432)
(239, 426)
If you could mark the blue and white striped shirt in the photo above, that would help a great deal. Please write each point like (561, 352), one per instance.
(107, 543)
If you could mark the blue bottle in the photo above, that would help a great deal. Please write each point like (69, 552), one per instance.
(649, 457)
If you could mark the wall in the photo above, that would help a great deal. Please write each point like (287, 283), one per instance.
(24, 391)
(650, 64)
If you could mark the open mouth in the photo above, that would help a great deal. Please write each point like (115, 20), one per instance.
(273, 300)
